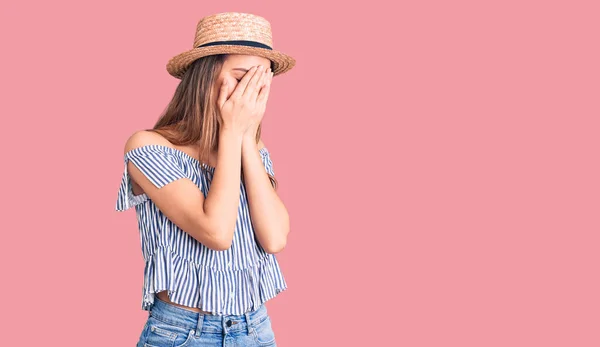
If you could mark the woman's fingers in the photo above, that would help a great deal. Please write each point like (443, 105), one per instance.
(264, 92)
(260, 84)
(253, 83)
(241, 87)
(223, 94)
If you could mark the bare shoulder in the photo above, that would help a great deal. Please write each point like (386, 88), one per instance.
(261, 144)
(144, 137)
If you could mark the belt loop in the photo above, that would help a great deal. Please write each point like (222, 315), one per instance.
(248, 322)
(224, 323)
(199, 324)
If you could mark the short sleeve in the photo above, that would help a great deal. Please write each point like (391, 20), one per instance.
(158, 164)
(267, 162)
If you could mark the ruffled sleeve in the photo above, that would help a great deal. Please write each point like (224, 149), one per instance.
(155, 162)
(266, 159)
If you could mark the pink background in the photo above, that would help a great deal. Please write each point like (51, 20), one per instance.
(439, 161)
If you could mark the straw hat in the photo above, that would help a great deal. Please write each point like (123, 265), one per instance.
(231, 33)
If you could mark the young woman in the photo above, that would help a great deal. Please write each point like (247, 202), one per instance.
(203, 187)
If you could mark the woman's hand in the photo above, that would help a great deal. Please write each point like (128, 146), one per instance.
(260, 112)
(246, 104)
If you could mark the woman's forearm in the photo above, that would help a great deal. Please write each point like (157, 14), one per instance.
(269, 215)
(222, 201)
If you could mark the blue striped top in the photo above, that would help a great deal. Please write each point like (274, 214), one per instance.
(232, 281)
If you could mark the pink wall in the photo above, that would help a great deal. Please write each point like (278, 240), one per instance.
(439, 161)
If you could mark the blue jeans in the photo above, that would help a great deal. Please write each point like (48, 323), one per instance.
(172, 326)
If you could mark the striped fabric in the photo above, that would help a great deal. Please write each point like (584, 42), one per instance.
(233, 281)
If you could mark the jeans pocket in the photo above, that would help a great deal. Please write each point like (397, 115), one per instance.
(140, 342)
(161, 334)
(263, 333)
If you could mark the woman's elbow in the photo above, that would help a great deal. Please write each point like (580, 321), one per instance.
(217, 240)
(276, 246)
(221, 242)
(275, 249)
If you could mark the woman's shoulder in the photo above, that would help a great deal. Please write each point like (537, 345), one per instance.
(141, 138)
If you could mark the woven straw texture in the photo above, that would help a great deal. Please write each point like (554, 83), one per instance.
(229, 26)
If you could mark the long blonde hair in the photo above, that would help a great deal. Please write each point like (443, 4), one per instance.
(192, 116)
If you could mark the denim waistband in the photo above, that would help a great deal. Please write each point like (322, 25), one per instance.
(171, 314)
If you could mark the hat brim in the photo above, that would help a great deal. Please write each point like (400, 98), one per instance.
(179, 63)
